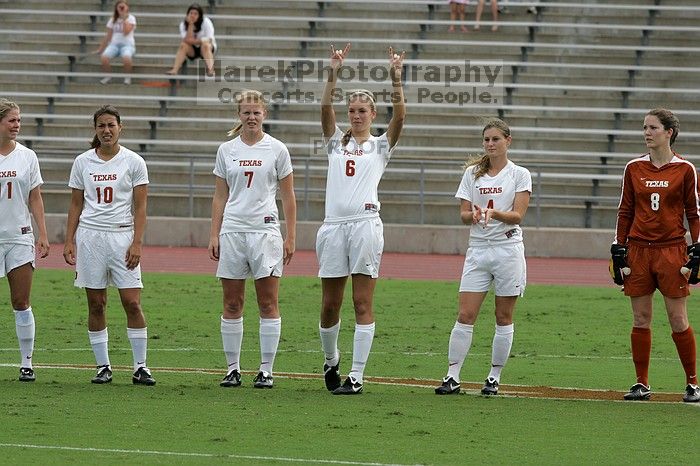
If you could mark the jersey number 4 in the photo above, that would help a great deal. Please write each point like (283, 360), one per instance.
(9, 189)
(105, 195)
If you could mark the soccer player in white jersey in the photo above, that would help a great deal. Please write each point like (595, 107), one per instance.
(494, 194)
(104, 235)
(245, 235)
(20, 195)
(351, 239)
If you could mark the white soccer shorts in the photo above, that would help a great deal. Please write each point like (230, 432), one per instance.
(245, 254)
(350, 248)
(500, 264)
(101, 260)
(13, 255)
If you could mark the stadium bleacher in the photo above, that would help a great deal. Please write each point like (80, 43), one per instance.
(574, 83)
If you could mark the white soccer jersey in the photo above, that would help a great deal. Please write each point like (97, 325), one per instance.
(19, 174)
(354, 172)
(109, 188)
(497, 192)
(252, 174)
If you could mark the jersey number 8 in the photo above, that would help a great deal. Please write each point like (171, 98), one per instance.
(655, 198)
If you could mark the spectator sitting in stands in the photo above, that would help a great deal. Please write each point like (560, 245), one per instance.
(197, 32)
(118, 40)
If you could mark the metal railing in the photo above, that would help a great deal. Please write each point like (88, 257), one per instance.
(310, 173)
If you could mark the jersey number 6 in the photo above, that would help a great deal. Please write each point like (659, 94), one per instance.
(350, 168)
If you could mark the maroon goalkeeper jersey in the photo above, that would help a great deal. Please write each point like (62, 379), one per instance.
(654, 200)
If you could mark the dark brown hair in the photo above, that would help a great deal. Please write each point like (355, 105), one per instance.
(668, 120)
(115, 15)
(104, 110)
(198, 24)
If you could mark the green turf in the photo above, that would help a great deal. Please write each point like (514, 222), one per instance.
(565, 336)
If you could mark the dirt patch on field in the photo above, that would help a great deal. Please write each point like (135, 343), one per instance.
(524, 391)
(529, 391)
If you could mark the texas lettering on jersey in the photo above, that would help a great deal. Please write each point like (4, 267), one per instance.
(8, 174)
(250, 163)
(109, 177)
(656, 184)
(490, 190)
(357, 152)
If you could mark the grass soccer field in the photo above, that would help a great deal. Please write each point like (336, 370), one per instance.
(566, 337)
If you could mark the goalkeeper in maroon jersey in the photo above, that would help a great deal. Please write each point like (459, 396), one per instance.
(659, 192)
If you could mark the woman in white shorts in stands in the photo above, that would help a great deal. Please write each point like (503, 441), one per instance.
(20, 196)
(351, 239)
(245, 235)
(495, 194)
(104, 237)
(118, 40)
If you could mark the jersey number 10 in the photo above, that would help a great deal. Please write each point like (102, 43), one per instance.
(105, 195)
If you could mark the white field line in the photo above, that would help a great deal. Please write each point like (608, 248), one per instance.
(187, 454)
(403, 353)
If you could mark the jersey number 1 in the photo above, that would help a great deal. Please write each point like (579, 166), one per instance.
(9, 189)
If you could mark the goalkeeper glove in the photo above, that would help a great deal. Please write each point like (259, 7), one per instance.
(690, 269)
(618, 263)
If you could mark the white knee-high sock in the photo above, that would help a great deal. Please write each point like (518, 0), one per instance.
(362, 344)
(98, 341)
(232, 338)
(270, 330)
(24, 325)
(138, 337)
(500, 350)
(329, 343)
(460, 342)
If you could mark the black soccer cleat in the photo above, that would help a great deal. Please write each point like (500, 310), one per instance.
(350, 387)
(26, 374)
(490, 387)
(263, 380)
(104, 375)
(449, 387)
(692, 394)
(232, 379)
(638, 392)
(331, 374)
(143, 376)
